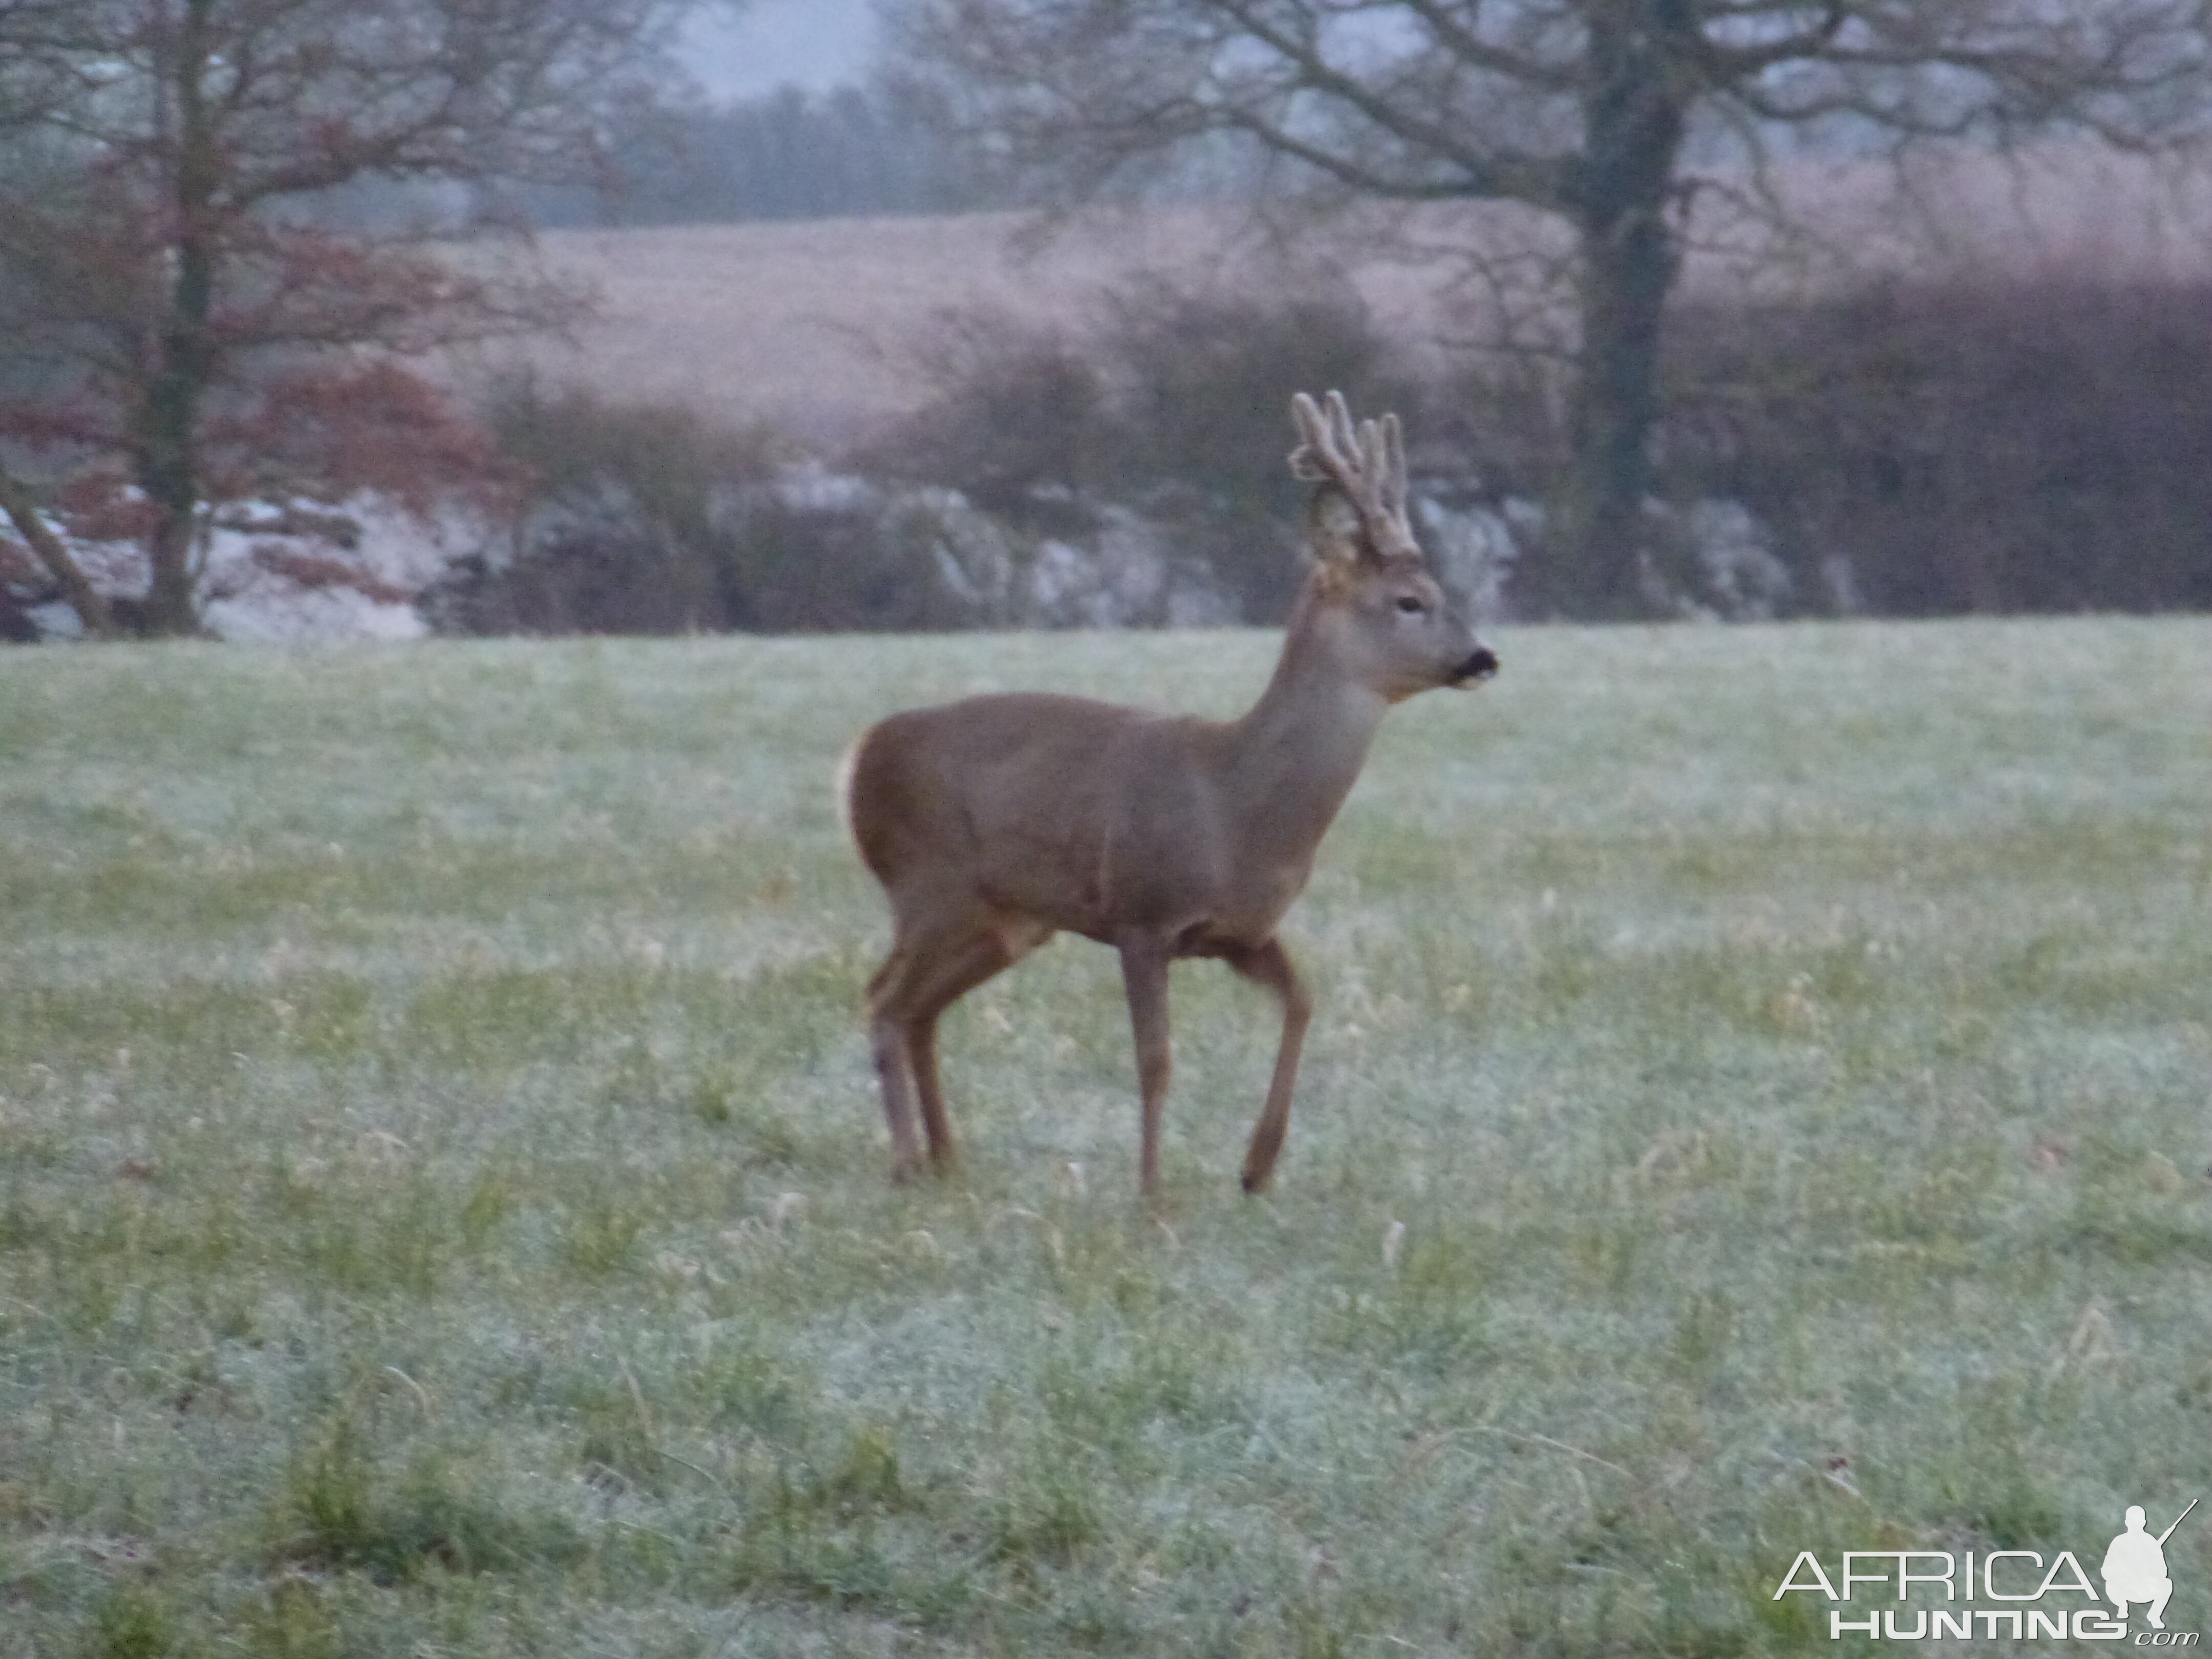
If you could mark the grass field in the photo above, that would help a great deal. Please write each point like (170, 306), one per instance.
(443, 1205)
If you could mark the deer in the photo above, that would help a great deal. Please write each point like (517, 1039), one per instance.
(996, 821)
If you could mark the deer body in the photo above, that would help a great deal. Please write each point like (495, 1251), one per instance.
(998, 821)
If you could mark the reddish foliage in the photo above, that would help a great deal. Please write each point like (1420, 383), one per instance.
(99, 505)
(310, 571)
(326, 431)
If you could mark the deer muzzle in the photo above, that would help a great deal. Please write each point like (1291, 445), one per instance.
(1480, 666)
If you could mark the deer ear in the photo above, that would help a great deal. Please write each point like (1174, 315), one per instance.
(1335, 531)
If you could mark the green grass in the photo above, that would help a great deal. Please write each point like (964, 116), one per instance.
(1781, 1046)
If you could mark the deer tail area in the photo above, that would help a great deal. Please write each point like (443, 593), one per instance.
(846, 764)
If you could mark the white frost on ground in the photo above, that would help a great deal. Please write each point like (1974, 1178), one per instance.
(277, 610)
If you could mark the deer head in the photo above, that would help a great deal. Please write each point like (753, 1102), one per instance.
(1371, 601)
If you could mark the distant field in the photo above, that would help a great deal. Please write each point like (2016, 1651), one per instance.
(814, 324)
(443, 1204)
(808, 322)
(811, 323)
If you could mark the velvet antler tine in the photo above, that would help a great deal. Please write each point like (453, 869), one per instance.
(1365, 459)
(1396, 493)
(1340, 436)
(1372, 464)
(1309, 460)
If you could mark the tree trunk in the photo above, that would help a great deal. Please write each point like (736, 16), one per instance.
(1633, 126)
(53, 553)
(168, 468)
(178, 377)
(1597, 545)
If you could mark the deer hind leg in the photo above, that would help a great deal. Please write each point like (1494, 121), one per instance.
(923, 978)
(985, 956)
(895, 1070)
(1270, 965)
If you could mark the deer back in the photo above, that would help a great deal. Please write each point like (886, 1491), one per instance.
(1083, 815)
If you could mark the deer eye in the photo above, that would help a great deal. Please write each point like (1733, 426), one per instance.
(1410, 606)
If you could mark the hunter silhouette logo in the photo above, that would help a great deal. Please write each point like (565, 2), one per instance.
(2134, 1566)
(1932, 1593)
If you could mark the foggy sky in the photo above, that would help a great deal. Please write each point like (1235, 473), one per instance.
(812, 43)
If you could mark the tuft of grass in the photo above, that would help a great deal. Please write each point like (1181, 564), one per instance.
(1755, 1103)
(337, 1510)
(132, 1623)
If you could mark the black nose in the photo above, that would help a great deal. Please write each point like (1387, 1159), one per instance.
(1480, 666)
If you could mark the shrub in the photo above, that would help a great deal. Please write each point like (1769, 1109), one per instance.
(1974, 445)
(1909, 449)
(1171, 398)
(651, 518)
(616, 527)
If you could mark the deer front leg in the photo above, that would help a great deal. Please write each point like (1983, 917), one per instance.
(1144, 977)
(1269, 965)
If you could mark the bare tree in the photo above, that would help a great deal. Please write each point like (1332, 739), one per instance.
(182, 327)
(1604, 116)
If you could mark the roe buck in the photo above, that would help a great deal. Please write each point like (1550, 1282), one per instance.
(996, 821)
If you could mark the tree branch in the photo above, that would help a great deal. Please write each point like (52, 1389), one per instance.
(92, 610)
(1469, 47)
(1724, 64)
(1496, 172)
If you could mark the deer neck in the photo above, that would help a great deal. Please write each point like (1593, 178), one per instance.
(1295, 756)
